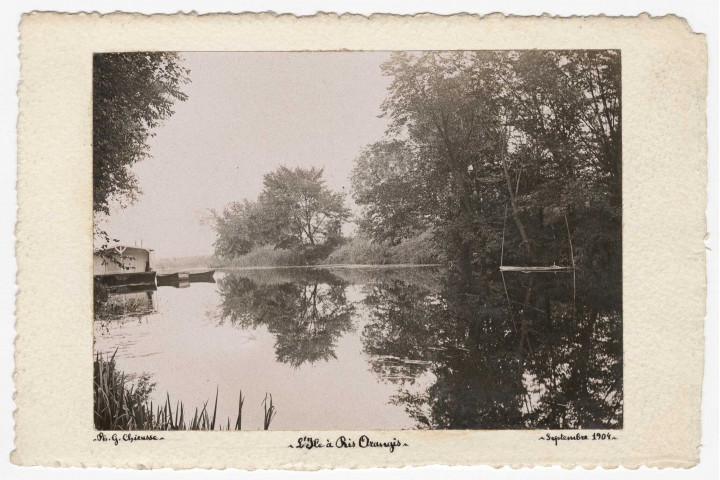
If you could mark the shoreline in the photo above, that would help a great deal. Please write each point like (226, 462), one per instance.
(347, 266)
(336, 266)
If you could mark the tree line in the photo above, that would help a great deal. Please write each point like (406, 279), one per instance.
(513, 151)
(486, 152)
(485, 147)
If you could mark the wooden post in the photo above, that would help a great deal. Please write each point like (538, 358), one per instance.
(572, 259)
(502, 248)
(512, 319)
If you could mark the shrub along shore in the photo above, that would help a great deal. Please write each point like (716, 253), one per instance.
(418, 250)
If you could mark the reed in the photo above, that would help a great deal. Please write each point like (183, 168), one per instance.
(270, 411)
(120, 405)
(238, 423)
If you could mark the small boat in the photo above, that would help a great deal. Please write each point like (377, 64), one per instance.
(177, 280)
(551, 269)
(202, 276)
(538, 269)
(174, 276)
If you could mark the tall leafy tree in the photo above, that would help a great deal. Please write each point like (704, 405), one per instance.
(388, 183)
(490, 140)
(444, 110)
(299, 209)
(295, 210)
(238, 228)
(132, 94)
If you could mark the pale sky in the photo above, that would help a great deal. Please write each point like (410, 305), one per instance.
(246, 114)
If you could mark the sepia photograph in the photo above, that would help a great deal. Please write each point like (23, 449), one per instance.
(364, 241)
(357, 240)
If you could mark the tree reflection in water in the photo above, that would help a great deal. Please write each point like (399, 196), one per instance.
(529, 352)
(306, 314)
(537, 363)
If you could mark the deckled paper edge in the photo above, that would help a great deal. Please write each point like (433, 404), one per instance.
(25, 216)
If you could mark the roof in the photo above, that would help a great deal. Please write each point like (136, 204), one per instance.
(127, 247)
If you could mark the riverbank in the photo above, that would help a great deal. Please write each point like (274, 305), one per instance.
(355, 252)
(322, 266)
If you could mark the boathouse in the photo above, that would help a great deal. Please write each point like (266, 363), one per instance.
(121, 259)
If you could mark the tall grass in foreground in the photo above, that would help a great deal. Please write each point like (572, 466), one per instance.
(270, 411)
(120, 406)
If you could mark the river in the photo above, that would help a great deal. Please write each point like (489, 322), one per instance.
(364, 349)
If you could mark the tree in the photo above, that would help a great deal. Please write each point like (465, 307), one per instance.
(237, 227)
(564, 110)
(388, 183)
(299, 209)
(481, 139)
(133, 93)
(445, 113)
(294, 211)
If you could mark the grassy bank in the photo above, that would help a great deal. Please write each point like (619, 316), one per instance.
(265, 256)
(187, 263)
(420, 250)
(120, 405)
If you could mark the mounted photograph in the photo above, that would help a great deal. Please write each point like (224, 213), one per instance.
(260, 241)
(365, 240)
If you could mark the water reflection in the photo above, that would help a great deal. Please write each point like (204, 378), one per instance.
(307, 314)
(524, 351)
(533, 359)
(114, 303)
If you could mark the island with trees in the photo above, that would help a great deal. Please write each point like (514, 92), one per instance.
(487, 153)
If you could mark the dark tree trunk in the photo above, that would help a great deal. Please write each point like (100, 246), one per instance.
(513, 204)
(465, 264)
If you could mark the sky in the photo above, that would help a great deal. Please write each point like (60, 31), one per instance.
(246, 114)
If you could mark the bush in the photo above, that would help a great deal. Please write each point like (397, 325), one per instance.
(355, 251)
(266, 256)
(417, 250)
(362, 251)
(359, 251)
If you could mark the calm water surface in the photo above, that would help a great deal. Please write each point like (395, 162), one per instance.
(359, 349)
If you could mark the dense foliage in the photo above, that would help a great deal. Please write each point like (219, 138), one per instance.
(295, 211)
(132, 94)
(478, 139)
(418, 250)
